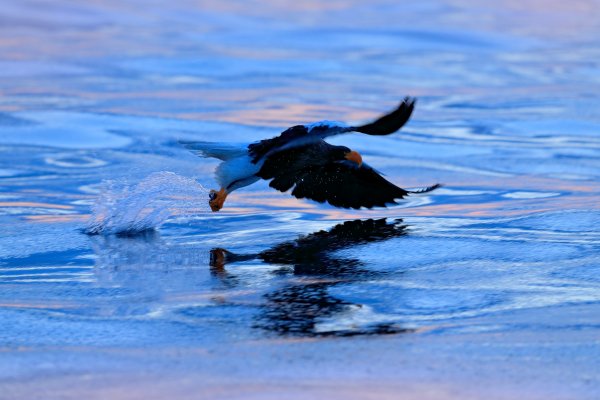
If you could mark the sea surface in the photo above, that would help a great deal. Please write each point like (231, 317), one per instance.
(488, 288)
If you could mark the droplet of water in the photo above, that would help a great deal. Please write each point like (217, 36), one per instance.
(128, 209)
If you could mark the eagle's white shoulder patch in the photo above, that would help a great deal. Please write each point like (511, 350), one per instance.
(326, 124)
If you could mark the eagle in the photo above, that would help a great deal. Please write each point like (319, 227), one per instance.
(301, 159)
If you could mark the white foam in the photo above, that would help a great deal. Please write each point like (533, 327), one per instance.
(124, 208)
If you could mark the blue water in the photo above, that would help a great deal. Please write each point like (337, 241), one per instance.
(486, 288)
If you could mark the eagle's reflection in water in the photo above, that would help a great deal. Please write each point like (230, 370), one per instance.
(318, 263)
(146, 275)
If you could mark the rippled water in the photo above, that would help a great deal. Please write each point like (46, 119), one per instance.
(487, 287)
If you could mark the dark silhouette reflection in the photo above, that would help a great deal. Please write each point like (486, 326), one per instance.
(297, 308)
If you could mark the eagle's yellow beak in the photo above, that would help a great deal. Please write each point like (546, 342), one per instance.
(354, 157)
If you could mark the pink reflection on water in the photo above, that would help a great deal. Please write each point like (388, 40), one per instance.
(30, 204)
(48, 219)
(287, 114)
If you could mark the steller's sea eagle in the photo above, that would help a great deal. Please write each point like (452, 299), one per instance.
(301, 159)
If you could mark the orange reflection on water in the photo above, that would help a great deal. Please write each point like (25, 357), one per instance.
(274, 7)
(536, 182)
(506, 208)
(570, 196)
(285, 114)
(34, 205)
(58, 218)
(494, 209)
(525, 183)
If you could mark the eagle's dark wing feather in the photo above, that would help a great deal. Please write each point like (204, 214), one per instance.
(260, 149)
(345, 184)
(391, 122)
(340, 183)
(284, 166)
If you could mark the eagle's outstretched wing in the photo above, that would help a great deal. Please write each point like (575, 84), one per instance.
(300, 135)
(344, 184)
(340, 183)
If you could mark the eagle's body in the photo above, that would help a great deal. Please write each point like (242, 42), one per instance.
(301, 159)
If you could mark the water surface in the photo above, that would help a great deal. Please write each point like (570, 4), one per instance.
(486, 288)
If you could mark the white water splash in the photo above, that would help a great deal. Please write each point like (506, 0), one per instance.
(130, 209)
